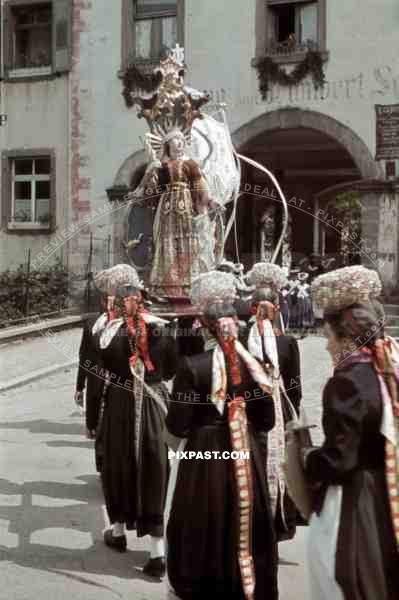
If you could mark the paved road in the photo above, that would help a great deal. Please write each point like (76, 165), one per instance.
(51, 507)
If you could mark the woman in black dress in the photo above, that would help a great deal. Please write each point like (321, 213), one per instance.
(354, 532)
(279, 354)
(220, 536)
(139, 355)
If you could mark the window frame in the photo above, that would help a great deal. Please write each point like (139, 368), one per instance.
(30, 27)
(148, 13)
(61, 55)
(8, 190)
(265, 30)
(129, 18)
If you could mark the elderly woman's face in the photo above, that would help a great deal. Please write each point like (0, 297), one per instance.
(176, 146)
(131, 304)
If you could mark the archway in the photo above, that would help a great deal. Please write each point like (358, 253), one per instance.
(308, 152)
(127, 179)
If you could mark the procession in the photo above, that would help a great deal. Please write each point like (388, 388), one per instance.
(199, 292)
(194, 393)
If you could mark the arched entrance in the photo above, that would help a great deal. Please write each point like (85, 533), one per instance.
(308, 152)
(127, 179)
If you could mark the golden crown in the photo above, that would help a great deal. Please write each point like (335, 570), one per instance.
(172, 105)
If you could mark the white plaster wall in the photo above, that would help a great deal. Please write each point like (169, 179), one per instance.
(363, 66)
(37, 118)
(110, 131)
(362, 70)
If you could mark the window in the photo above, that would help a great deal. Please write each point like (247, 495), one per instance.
(154, 25)
(37, 37)
(294, 26)
(31, 36)
(28, 190)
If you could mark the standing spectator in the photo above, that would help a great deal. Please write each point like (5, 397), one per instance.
(292, 298)
(305, 312)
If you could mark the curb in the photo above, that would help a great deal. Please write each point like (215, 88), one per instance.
(34, 376)
(10, 334)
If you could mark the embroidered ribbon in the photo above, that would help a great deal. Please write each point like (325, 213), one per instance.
(237, 420)
(219, 377)
(243, 476)
(262, 341)
(142, 342)
(227, 334)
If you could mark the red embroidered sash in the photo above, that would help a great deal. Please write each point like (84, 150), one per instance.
(142, 343)
(243, 476)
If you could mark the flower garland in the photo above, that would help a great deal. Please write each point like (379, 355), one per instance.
(269, 71)
(135, 80)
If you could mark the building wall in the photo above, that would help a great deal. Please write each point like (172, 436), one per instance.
(362, 70)
(38, 117)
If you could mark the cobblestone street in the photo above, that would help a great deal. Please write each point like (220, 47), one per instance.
(51, 505)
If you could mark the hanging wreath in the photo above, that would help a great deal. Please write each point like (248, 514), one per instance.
(270, 72)
(135, 80)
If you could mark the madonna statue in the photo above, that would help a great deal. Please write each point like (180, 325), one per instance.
(188, 225)
(183, 232)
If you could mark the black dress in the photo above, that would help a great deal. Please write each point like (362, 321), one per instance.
(202, 528)
(91, 376)
(352, 456)
(135, 461)
(90, 364)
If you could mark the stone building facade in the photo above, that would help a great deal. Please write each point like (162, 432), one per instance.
(321, 143)
(35, 101)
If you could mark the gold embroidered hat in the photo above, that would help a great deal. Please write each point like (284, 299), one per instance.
(343, 287)
(265, 274)
(214, 287)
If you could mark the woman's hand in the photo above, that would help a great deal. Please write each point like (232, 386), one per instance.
(91, 434)
(78, 398)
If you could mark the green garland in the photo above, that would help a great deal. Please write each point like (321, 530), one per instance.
(269, 71)
(134, 80)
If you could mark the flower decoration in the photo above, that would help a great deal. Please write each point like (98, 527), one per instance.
(213, 287)
(119, 277)
(267, 275)
(343, 287)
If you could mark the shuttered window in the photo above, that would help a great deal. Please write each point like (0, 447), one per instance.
(37, 37)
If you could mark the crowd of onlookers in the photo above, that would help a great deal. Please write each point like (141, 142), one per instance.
(296, 306)
(296, 300)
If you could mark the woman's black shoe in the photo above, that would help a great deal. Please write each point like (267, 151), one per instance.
(118, 543)
(155, 567)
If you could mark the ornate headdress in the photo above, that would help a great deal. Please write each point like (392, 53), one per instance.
(173, 107)
(118, 280)
(343, 287)
(267, 275)
(213, 288)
